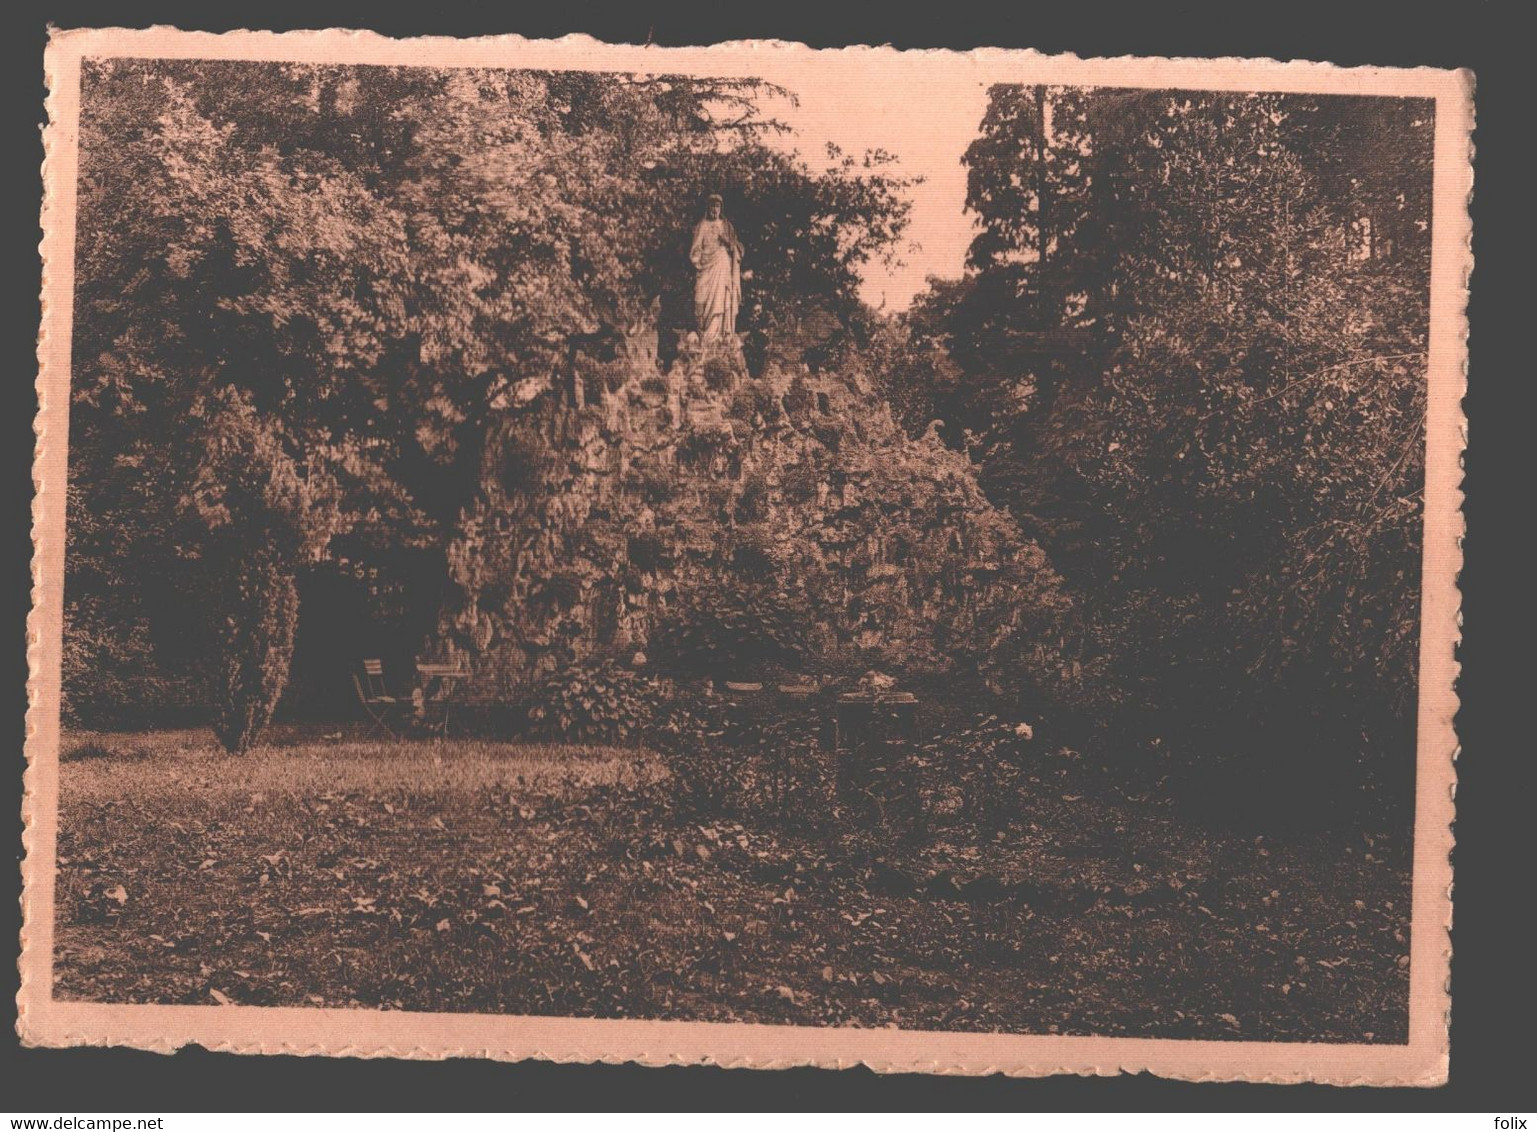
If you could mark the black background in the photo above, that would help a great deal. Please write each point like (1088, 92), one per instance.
(1492, 1034)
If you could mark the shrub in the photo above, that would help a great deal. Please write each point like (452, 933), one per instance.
(878, 778)
(798, 402)
(111, 675)
(796, 775)
(699, 446)
(704, 768)
(726, 756)
(603, 704)
(987, 761)
(718, 374)
(754, 403)
(261, 516)
(260, 612)
(733, 627)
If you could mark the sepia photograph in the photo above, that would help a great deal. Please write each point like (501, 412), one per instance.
(751, 555)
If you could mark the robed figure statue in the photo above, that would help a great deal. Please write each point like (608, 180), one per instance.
(716, 254)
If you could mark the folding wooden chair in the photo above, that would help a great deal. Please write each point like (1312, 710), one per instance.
(378, 704)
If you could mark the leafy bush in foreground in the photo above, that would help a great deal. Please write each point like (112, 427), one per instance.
(606, 704)
(987, 762)
(731, 755)
(703, 768)
(733, 630)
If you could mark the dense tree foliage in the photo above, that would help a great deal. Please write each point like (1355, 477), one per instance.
(1189, 353)
(371, 260)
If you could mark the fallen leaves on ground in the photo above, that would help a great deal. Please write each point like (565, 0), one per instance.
(1090, 915)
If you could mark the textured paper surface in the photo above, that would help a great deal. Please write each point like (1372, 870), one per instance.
(45, 1021)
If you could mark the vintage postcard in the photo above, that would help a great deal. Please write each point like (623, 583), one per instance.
(746, 555)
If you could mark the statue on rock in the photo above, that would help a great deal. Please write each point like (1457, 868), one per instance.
(716, 254)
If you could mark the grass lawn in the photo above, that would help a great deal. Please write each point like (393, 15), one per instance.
(536, 879)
